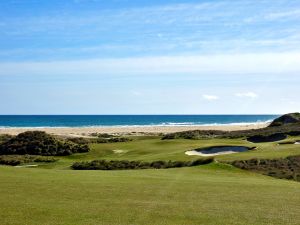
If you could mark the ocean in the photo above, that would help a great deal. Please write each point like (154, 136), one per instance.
(128, 120)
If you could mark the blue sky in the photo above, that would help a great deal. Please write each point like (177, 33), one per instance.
(149, 57)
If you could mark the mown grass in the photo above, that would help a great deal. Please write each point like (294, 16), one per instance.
(212, 194)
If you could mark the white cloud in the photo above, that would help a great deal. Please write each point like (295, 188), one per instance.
(247, 95)
(210, 97)
(136, 93)
(264, 63)
(284, 14)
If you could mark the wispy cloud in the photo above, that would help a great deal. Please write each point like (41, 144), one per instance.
(201, 65)
(210, 97)
(215, 27)
(136, 93)
(247, 95)
(290, 14)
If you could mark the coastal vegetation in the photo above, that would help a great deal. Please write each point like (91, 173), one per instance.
(99, 139)
(125, 164)
(267, 138)
(284, 168)
(4, 138)
(14, 160)
(292, 129)
(39, 143)
(290, 118)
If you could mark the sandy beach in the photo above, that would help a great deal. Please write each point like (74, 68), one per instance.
(86, 131)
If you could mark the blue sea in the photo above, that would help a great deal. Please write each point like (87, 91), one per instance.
(128, 120)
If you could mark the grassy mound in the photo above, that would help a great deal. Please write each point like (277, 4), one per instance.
(291, 122)
(288, 129)
(286, 119)
(124, 164)
(39, 143)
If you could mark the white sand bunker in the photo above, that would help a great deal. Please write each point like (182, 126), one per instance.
(26, 166)
(297, 143)
(219, 150)
(119, 151)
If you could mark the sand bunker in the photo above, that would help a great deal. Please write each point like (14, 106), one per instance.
(26, 166)
(218, 150)
(119, 151)
(290, 143)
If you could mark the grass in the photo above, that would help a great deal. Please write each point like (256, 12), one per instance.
(152, 148)
(217, 193)
(212, 194)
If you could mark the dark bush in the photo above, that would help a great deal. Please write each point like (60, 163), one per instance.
(80, 140)
(111, 140)
(14, 160)
(99, 140)
(40, 143)
(124, 164)
(5, 137)
(268, 138)
(286, 168)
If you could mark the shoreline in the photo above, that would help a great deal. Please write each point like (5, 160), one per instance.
(129, 130)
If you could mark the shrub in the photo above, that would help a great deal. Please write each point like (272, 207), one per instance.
(111, 140)
(5, 137)
(99, 140)
(268, 138)
(14, 160)
(286, 168)
(79, 140)
(125, 164)
(40, 143)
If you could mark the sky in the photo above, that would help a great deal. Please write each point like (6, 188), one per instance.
(149, 56)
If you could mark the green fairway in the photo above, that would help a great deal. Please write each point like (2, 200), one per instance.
(152, 148)
(210, 194)
(53, 194)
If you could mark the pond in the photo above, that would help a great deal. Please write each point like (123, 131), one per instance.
(218, 150)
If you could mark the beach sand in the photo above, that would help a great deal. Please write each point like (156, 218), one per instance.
(130, 130)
